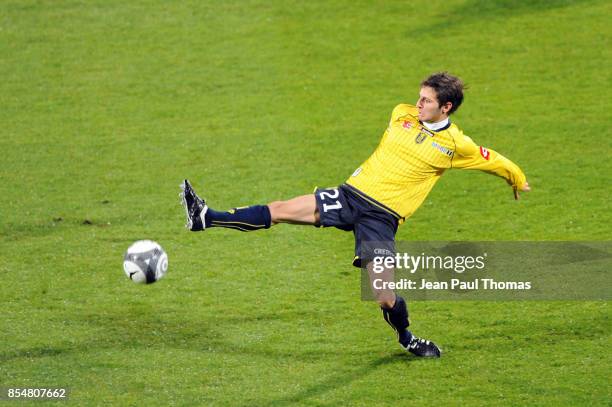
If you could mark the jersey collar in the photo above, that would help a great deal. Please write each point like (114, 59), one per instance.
(439, 126)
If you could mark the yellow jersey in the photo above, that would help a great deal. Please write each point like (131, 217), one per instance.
(411, 158)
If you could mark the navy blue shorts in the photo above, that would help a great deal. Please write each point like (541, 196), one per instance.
(373, 225)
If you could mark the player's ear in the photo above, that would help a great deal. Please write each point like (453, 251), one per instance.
(447, 107)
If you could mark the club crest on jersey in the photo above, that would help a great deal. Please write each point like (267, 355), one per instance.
(485, 153)
(407, 125)
(422, 135)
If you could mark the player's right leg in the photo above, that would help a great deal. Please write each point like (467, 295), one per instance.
(300, 210)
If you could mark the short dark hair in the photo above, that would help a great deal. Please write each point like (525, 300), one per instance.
(448, 88)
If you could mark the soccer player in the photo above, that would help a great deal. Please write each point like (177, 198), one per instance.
(419, 144)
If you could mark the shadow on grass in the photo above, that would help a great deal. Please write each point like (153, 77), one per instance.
(337, 380)
(152, 331)
(34, 353)
(481, 10)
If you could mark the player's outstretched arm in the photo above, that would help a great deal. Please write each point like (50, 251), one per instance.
(525, 188)
(470, 156)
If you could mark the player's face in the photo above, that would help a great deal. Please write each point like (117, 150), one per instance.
(429, 109)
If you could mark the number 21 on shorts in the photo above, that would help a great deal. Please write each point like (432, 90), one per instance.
(331, 195)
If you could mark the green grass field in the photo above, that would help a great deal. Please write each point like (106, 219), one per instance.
(107, 105)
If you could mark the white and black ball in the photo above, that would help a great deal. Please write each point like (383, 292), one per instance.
(145, 262)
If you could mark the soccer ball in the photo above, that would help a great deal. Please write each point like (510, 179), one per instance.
(145, 262)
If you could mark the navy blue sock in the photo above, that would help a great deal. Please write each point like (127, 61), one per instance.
(245, 219)
(397, 317)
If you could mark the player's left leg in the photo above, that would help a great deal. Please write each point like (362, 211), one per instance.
(301, 210)
(200, 216)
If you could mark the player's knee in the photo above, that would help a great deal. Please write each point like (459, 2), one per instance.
(385, 298)
(386, 303)
(277, 210)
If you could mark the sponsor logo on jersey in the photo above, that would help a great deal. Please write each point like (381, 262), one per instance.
(485, 153)
(443, 149)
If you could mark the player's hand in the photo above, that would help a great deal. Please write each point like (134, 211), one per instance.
(525, 188)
